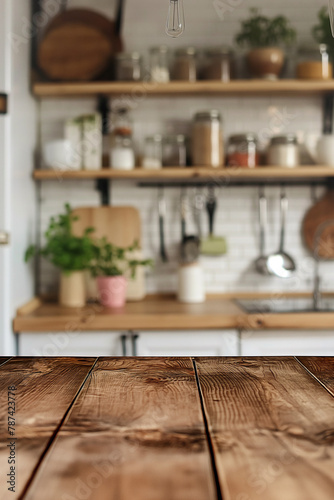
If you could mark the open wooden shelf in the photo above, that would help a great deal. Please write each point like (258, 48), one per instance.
(141, 89)
(191, 173)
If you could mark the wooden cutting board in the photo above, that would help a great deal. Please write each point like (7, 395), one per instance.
(78, 45)
(122, 227)
(320, 214)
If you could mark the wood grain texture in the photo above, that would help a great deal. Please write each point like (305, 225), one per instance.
(136, 432)
(45, 390)
(191, 173)
(247, 87)
(322, 368)
(3, 360)
(272, 428)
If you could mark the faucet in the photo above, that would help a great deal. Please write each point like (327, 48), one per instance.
(317, 280)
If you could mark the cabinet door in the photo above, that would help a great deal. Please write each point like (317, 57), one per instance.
(287, 343)
(188, 343)
(71, 344)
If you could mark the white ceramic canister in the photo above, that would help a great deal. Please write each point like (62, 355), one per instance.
(325, 151)
(191, 287)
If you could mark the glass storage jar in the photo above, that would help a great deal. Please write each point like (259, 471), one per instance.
(122, 155)
(207, 140)
(129, 67)
(219, 65)
(121, 122)
(152, 158)
(174, 151)
(284, 151)
(185, 65)
(242, 151)
(314, 63)
(159, 64)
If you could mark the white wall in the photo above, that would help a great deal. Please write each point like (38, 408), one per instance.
(23, 143)
(237, 215)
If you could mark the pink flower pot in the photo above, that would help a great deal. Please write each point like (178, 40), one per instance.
(112, 291)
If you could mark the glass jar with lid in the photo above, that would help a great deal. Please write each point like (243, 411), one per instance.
(207, 139)
(242, 151)
(174, 151)
(152, 158)
(314, 63)
(129, 67)
(284, 151)
(159, 64)
(122, 155)
(121, 122)
(219, 64)
(185, 65)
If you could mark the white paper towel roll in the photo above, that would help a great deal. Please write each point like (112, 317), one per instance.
(191, 283)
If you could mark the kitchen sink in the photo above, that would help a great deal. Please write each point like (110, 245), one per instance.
(286, 305)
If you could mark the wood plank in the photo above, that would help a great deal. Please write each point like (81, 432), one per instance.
(3, 360)
(271, 426)
(322, 368)
(176, 88)
(190, 173)
(45, 390)
(135, 432)
(29, 307)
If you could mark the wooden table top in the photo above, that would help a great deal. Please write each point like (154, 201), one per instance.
(167, 428)
(159, 312)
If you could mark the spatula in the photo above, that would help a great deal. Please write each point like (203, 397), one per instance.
(213, 245)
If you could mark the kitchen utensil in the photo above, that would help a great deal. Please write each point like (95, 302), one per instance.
(175, 23)
(213, 245)
(191, 283)
(78, 45)
(280, 263)
(199, 206)
(261, 262)
(162, 215)
(319, 214)
(121, 226)
(190, 244)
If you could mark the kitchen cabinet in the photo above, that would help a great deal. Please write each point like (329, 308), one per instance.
(190, 343)
(287, 343)
(74, 344)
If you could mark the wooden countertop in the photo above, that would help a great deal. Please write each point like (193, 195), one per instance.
(165, 313)
(168, 428)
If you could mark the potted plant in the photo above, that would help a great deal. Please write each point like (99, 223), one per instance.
(112, 266)
(71, 254)
(265, 36)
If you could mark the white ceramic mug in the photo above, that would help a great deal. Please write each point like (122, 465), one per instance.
(325, 150)
(59, 154)
(191, 283)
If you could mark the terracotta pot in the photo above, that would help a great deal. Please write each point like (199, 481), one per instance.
(266, 63)
(72, 291)
(112, 291)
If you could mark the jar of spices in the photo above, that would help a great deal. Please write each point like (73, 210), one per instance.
(153, 152)
(219, 65)
(174, 151)
(314, 63)
(284, 151)
(242, 151)
(122, 155)
(207, 140)
(121, 122)
(159, 64)
(185, 67)
(128, 67)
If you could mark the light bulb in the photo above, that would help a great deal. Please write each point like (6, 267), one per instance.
(331, 14)
(175, 21)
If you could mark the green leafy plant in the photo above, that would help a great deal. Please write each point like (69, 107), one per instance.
(64, 250)
(322, 31)
(111, 260)
(261, 31)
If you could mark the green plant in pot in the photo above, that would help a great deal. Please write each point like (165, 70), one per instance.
(112, 266)
(264, 37)
(316, 61)
(69, 253)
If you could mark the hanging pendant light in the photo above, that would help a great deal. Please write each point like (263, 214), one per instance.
(331, 14)
(175, 24)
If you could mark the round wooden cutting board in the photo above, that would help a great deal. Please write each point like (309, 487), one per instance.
(318, 215)
(78, 45)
